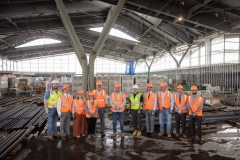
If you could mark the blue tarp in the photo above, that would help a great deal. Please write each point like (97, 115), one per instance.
(130, 68)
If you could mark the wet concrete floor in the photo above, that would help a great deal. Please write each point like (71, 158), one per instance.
(223, 144)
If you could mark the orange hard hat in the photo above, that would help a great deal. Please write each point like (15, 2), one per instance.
(162, 84)
(65, 86)
(149, 85)
(91, 94)
(117, 85)
(80, 91)
(179, 87)
(99, 82)
(194, 88)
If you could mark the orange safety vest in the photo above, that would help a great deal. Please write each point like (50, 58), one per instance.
(79, 107)
(182, 104)
(91, 108)
(101, 98)
(66, 104)
(196, 105)
(117, 101)
(167, 100)
(149, 102)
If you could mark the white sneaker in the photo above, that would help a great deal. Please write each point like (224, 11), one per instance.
(78, 136)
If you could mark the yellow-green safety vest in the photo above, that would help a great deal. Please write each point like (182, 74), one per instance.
(135, 102)
(53, 99)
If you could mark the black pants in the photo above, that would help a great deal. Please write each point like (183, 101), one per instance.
(137, 119)
(198, 120)
(91, 125)
(180, 118)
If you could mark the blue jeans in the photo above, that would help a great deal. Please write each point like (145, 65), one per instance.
(165, 113)
(120, 115)
(52, 121)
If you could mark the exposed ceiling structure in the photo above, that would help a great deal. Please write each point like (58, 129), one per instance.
(158, 25)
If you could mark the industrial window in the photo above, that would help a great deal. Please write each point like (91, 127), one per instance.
(41, 41)
(116, 33)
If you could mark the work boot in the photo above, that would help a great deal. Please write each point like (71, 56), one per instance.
(169, 135)
(139, 133)
(57, 136)
(160, 134)
(89, 136)
(192, 139)
(147, 134)
(50, 138)
(93, 136)
(113, 135)
(122, 135)
(63, 138)
(150, 135)
(184, 136)
(200, 141)
(68, 137)
(135, 133)
(77, 136)
(177, 135)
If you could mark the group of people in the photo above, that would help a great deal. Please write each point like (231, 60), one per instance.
(85, 112)
(167, 104)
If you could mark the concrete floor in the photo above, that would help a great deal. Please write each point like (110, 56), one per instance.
(223, 144)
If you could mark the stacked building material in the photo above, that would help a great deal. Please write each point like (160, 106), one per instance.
(112, 80)
(104, 79)
(64, 79)
(156, 80)
(127, 83)
(3, 82)
(76, 84)
(12, 82)
(141, 81)
(3, 86)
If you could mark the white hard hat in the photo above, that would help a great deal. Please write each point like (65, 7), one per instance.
(135, 86)
(55, 81)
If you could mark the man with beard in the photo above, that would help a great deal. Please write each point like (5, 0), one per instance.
(50, 103)
(195, 113)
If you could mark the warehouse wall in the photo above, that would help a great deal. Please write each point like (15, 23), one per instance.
(223, 49)
(68, 63)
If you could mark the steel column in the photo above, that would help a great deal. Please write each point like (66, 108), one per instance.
(75, 42)
(101, 39)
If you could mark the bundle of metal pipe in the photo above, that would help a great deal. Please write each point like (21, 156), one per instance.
(23, 116)
(6, 100)
(10, 141)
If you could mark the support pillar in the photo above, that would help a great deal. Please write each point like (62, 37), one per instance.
(113, 14)
(75, 43)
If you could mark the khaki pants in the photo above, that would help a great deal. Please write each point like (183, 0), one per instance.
(79, 125)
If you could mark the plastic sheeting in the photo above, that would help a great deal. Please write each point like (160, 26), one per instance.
(130, 68)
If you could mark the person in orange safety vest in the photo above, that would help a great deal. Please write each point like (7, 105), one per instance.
(64, 108)
(91, 109)
(165, 106)
(79, 115)
(100, 95)
(180, 109)
(195, 114)
(117, 102)
(150, 105)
